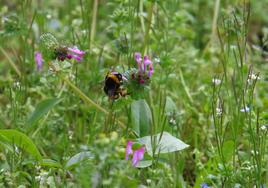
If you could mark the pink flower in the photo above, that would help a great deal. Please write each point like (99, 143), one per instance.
(75, 53)
(151, 70)
(138, 156)
(129, 150)
(146, 61)
(143, 64)
(38, 60)
(75, 50)
(137, 56)
(138, 60)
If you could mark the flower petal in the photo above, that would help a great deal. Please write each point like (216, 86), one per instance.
(151, 70)
(146, 61)
(129, 149)
(76, 57)
(76, 51)
(137, 57)
(38, 60)
(138, 156)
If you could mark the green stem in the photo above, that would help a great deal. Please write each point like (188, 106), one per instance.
(146, 37)
(10, 61)
(93, 23)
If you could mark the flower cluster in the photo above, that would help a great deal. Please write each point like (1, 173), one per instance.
(52, 50)
(145, 68)
(60, 54)
(137, 154)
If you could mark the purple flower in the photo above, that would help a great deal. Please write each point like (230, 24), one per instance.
(138, 59)
(143, 64)
(75, 53)
(38, 60)
(151, 70)
(137, 56)
(146, 61)
(138, 156)
(129, 150)
(204, 185)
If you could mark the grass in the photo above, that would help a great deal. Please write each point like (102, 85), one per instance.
(208, 90)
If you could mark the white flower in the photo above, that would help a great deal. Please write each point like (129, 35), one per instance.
(252, 77)
(172, 121)
(218, 111)
(246, 109)
(157, 60)
(263, 127)
(216, 81)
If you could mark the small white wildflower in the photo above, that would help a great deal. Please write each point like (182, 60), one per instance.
(149, 181)
(216, 81)
(172, 121)
(16, 84)
(218, 111)
(252, 77)
(253, 153)
(246, 109)
(263, 127)
(84, 31)
(70, 134)
(48, 16)
(38, 168)
(233, 47)
(157, 60)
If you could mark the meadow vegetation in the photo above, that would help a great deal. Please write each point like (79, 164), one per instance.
(133, 93)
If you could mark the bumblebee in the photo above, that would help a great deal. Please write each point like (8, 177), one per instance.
(61, 53)
(113, 85)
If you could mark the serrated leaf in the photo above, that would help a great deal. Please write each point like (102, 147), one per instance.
(141, 117)
(41, 109)
(167, 144)
(22, 141)
(79, 157)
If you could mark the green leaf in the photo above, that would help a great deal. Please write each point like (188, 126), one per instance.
(141, 117)
(144, 164)
(167, 144)
(41, 109)
(50, 163)
(79, 157)
(11, 136)
(170, 106)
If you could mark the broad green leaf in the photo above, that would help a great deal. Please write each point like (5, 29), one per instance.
(41, 109)
(79, 157)
(170, 106)
(22, 141)
(50, 163)
(144, 164)
(166, 144)
(141, 117)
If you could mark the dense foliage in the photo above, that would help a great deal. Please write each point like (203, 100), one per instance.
(133, 93)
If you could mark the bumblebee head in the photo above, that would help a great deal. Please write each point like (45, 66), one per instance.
(115, 77)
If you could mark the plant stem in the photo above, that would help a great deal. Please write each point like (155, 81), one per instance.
(10, 61)
(93, 23)
(146, 37)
